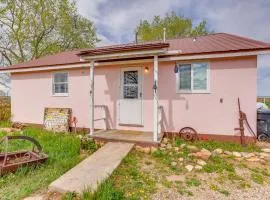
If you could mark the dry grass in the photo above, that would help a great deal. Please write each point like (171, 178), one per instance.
(5, 109)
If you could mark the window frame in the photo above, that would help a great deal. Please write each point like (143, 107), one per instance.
(192, 91)
(53, 85)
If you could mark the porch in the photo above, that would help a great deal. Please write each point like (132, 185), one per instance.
(138, 137)
(131, 97)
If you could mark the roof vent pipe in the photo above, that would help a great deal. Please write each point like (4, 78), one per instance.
(164, 34)
(136, 37)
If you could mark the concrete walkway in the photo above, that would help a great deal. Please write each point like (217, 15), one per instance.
(93, 170)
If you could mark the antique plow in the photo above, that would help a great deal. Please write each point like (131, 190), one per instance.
(243, 121)
(11, 161)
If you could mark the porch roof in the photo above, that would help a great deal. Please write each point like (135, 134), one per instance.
(124, 48)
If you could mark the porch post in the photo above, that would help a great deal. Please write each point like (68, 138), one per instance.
(155, 103)
(92, 104)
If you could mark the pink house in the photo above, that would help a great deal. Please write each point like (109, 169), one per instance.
(145, 89)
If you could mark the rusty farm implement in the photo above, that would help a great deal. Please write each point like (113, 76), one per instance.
(11, 161)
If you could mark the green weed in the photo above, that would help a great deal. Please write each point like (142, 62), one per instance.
(193, 182)
(217, 189)
(106, 191)
(218, 164)
(257, 178)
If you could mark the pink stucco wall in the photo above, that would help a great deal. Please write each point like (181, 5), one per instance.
(230, 79)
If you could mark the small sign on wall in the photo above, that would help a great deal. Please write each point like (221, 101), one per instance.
(57, 119)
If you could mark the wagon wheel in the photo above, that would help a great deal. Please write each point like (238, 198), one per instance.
(263, 138)
(188, 134)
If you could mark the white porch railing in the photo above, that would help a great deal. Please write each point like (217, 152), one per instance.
(104, 110)
(160, 120)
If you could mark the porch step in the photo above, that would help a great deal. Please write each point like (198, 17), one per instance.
(88, 174)
(137, 137)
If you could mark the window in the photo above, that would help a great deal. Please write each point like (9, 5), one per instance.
(60, 84)
(130, 85)
(192, 78)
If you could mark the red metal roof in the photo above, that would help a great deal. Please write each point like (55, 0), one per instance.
(215, 43)
(212, 43)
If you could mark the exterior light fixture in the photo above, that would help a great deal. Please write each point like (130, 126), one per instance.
(146, 70)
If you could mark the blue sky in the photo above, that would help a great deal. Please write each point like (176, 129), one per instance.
(116, 21)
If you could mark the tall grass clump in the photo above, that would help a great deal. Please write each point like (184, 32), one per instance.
(5, 109)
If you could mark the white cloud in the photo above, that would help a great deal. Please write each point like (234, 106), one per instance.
(104, 41)
(247, 18)
(116, 20)
(120, 18)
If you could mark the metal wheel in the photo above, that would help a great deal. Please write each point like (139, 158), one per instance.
(188, 134)
(263, 138)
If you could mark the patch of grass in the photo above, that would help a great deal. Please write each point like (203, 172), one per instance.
(178, 142)
(167, 183)
(63, 151)
(218, 164)
(217, 189)
(225, 192)
(193, 182)
(185, 153)
(244, 185)
(221, 179)
(232, 176)
(255, 170)
(88, 144)
(5, 123)
(257, 178)
(227, 146)
(130, 180)
(106, 191)
(164, 157)
(167, 157)
(265, 172)
(184, 191)
(158, 154)
(69, 196)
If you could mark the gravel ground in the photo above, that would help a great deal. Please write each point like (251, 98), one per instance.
(255, 193)
(204, 191)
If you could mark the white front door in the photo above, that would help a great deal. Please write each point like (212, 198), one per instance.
(130, 106)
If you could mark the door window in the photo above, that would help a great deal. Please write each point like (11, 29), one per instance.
(130, 85)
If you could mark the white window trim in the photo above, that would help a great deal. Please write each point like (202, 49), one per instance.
(60, 94)
(207, 91)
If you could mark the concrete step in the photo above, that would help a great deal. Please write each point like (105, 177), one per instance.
(88, 174)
